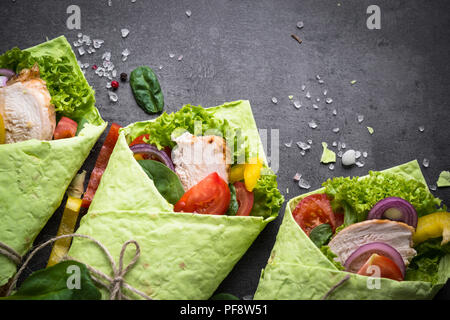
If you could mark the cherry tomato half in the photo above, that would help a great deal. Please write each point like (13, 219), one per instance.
(381, 266)
(244, 198)
(209, 196)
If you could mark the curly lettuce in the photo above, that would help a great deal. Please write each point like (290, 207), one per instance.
(267, 198)
(70, 93)
(357, 196)
(425, 265)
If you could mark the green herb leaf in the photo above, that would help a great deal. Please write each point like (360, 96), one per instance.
(146, 89)
(53, 283)
(321, 234)
(234, 205)
(165, 180)
(425, 265)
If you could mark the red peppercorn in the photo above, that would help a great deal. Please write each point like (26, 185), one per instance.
(114, 84)
(94, 67)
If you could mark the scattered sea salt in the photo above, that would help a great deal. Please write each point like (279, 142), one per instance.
(302, 152)
(79, 35)
(335, 130)
(343, 145)
(331, 166)
(81, 51)
(426, 162)
(188, 13)
(106, 55)
(339, 154)
(180, 58)
(433, 187)
(315, 106)
(302, 183)
(109, 3)
(171, 55)
(318, 77)
(303, 87)
(421, 128)
(325, 92)
(297, 176)
(360, 118)
(334, 144)
(97, 43)
(309, 141)
(360, 164)
(160, 67)
(334, 112)
(321, 81)
(302, 145)
(308, 95)
(318, 100)
(300, 24)
(357, 154)
(297, 104)
(125, 52)
(112, 96)
(288, 144)
(328, 100)
(365, 154)
(108, 85)
(312, 124)
(274, 100)
(124, 32)
(76, 44)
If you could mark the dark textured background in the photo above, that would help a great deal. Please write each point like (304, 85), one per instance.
(243, 50)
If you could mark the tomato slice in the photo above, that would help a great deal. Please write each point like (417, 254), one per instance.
(244, 198)
(387, 268)
(139, 140)
(209, 196)
(313, 211)
(100, 164)
(66, 128)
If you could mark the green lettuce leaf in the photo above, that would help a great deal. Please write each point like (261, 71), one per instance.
(267, 198)
(66, 84)
(357, 196)
(330, 256)
(425, 265)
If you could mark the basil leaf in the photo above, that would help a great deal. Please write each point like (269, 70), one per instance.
(165, 180)
(321, 234)
(234, 205)
(53, 283)
(146, 89)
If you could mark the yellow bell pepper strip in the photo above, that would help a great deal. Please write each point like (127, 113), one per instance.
(433, 226)
(2, 131)
(69, 219)
(237, 173)
(138, 156)
(252, 172)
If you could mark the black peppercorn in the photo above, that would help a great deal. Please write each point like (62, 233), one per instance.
(123, 76)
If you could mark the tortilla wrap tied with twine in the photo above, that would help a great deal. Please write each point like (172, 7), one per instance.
(297, 269)
(183, 255)
(34, 175)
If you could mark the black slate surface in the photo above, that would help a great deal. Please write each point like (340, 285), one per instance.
(244, 50)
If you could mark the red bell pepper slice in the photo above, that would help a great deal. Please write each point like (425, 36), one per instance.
(100, 164)
(66, 128)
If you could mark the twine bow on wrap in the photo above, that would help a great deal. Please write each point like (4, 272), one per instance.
(113, 284)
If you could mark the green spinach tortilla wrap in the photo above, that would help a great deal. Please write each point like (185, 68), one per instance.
(35, 170)
(378, 230)
(184, 255)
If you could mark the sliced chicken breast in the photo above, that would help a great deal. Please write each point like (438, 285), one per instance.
(396, 234)
(195, 157)
(26, 109)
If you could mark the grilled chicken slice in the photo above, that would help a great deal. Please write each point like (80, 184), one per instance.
(396, 234)
(26, 109)
(195, 157)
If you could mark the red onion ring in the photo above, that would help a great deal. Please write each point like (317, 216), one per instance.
(3, 81)
(7, 73)
(409, 214)
(357, 259)
(151, 150)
